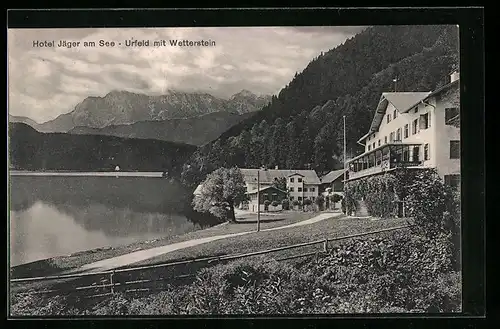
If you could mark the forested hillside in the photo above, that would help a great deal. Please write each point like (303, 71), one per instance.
(302, 126)
(32, 150)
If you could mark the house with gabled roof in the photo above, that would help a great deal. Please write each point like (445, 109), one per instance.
(413, 130)
(301, 184)
(257, 198)
(333, 181)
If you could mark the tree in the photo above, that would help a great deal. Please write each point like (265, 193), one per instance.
(277, 147)
(280, 183)
(335, 198)
(221, 191)
(325, 148)
(320, 201)
(307, 203)
(285, 204)
(292, 157)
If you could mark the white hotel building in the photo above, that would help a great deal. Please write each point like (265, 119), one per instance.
(415, 130)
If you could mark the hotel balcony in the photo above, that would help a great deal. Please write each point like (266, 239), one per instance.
(385, 158)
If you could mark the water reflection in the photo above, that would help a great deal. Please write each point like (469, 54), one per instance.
(53, 216)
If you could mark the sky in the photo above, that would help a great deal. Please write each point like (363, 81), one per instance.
(45, 82)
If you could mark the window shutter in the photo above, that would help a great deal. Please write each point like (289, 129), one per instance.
(422, 121)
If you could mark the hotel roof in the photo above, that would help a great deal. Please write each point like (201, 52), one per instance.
(402, 101)
(332, 176)
(269, 175)
(265, 188)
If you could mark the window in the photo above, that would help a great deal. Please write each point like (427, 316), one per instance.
(398, 134)
(407, 131)
(416, 154)
(378, 144)
(425, 120)
(414, 127)
(373, 145)
(299, 198)
(291, 189)
(291, 198)
(299, 180)
(395, 114)
(427, 155)
(305, 189)
(369, 147)
(388, 118)
(406, 154)
(291, 180)
(275, 197)
(451, 116)
(452, 180)
(454, 149)
(313, 189)
(266, 196)
(385, 140)
(391, 137)
(415, 110)
(313, 198)
(299, 189)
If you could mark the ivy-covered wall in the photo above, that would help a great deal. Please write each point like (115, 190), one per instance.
(423, 192)
(378, 193)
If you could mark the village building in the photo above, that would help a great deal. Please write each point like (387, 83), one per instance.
(413, 130)
(268, 193)
(300, 184)
(333, 182)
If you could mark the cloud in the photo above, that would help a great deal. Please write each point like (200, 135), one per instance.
(46, 82)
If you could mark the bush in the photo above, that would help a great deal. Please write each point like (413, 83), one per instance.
(336, 198)
(274, 203)
(266, 204)
(320, 202)
(285, 204)
(38, 305)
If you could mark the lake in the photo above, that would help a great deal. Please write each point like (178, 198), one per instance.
(59, 215)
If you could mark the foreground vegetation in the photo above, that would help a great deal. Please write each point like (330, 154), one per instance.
(404, 271)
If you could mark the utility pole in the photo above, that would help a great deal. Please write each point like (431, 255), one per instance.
(258, 200)
(345, 168)
(303, 197)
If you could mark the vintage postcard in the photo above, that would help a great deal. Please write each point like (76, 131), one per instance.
(234, 170)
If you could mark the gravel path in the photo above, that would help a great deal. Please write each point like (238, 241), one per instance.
(138, 256)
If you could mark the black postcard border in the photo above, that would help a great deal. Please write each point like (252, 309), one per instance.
(472, 55)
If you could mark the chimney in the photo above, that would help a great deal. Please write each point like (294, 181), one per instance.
(454, 76)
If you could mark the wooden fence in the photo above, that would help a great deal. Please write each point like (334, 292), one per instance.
(106, 283)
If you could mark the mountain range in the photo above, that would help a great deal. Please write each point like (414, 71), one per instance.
(194, 131)
(153, 113)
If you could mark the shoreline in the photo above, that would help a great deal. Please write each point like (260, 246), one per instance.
(60, 264)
